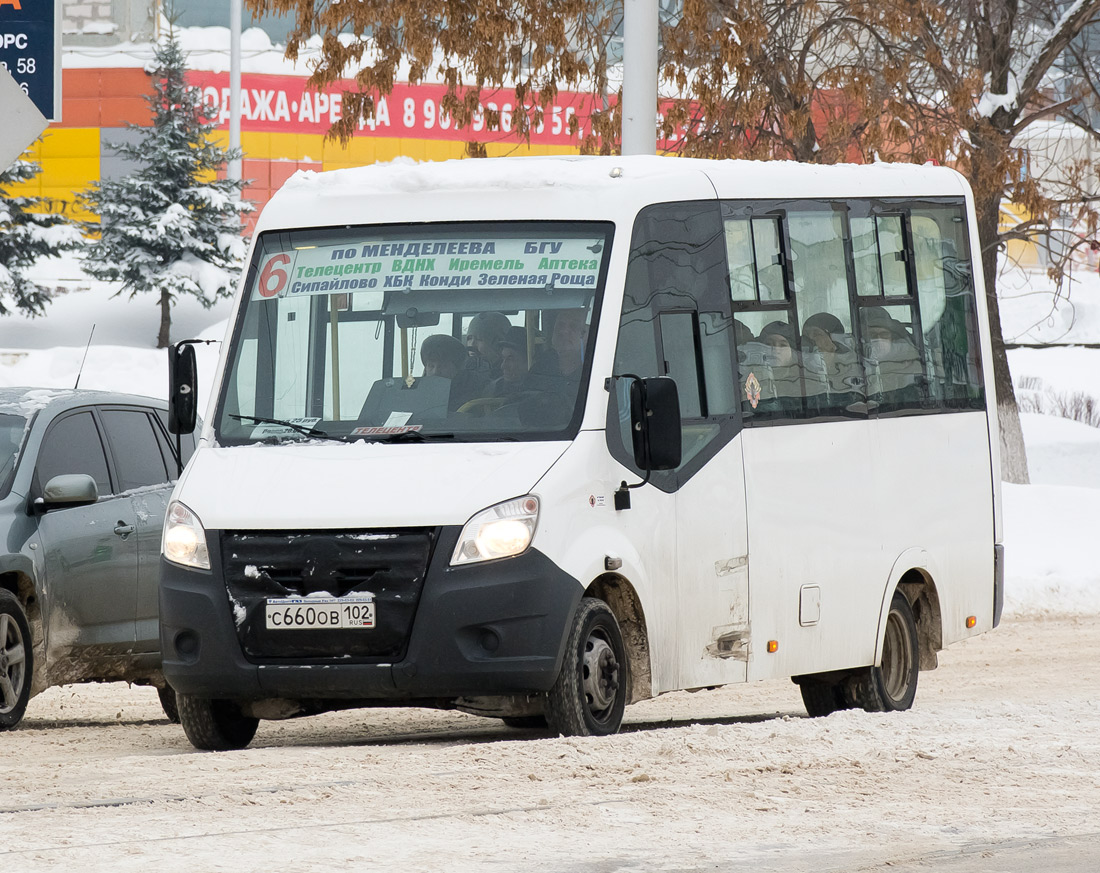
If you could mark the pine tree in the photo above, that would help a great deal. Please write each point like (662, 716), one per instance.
(171, 227)
(29, 230)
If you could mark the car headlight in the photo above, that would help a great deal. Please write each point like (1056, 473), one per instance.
(500, 531)
(184, 540)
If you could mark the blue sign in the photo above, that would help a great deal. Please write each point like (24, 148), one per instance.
(29, 49)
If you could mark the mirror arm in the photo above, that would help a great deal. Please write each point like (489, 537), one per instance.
(622, 493)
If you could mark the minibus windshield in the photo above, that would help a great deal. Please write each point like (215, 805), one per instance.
(471, 331)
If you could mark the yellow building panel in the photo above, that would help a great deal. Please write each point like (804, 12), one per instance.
(71, 142)
(76, 173)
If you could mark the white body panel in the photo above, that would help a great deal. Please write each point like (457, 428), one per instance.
(796, 534)
(363, 484)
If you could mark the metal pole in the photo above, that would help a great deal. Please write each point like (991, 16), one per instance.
(639, 77)
(234, 171)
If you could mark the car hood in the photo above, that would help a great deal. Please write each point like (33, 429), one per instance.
(361, 485)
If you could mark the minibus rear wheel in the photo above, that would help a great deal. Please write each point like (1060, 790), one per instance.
(589, 696)
(16, 660)
(892, 685)
(215, 725)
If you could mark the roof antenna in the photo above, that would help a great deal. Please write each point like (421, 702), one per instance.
(82, 360)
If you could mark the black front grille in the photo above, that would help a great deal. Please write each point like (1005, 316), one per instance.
(388, 564)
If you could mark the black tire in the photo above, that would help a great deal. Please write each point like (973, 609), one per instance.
(589, 697)
(822, 698)
(16, 661)
(527, 722)
(892, 686)
(168, 703)
(215, 725)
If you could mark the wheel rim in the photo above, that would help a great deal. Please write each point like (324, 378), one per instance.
(601, 674)
(13, 659)
(897, 657)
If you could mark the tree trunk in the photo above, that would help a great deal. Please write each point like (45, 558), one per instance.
(1013, 451)
(163, 339)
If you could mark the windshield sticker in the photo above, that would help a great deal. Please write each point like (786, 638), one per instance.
(752, 390)
(385, 431)
(433, 263)
(397, 419)
(263, 431)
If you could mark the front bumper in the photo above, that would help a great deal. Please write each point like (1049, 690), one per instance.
(485, 629)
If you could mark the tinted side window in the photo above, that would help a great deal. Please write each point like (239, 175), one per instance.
(945, 289)
(134, 443)
(676, 322)
(73, 445)
(167, 444)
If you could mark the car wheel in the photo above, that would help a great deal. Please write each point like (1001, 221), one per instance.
(589, 695)
(16, 661)
(892, 685)
(168, 703)
(215, 725)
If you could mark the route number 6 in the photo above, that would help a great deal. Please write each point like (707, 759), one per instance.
(273, 277)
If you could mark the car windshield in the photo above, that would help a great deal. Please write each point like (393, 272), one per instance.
(456, 332)
(12, 428)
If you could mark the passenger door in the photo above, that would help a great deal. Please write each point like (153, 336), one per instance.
(90, 552)
(676, 322)
(144, 474)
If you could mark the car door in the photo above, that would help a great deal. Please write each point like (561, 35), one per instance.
(135, 440)
(90, 552)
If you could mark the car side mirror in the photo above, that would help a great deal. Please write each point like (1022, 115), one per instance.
(68, 489)
(655, 424)
(182, 388)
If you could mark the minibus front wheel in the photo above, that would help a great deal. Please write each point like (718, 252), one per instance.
(215, 725)
(589, 696)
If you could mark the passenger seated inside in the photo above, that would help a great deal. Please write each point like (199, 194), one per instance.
(565, 357)
(444, 356)
(894, 374)
(833, 378)
(484, 333)
(781, 378)
(513, 364)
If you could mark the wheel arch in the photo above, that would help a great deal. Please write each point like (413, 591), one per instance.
(21, 584)
(622, 599)
(914, 574)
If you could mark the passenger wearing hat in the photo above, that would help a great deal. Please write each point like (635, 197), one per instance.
(894, 375)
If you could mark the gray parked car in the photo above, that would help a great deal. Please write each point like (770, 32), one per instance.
(85, 478)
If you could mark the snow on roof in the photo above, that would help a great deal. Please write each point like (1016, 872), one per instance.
(404, 176)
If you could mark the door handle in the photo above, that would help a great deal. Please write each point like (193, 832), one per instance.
(123, 529)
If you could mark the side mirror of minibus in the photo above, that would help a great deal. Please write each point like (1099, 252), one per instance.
(655, 424)
(182, 388)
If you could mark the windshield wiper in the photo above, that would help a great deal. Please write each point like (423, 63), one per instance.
(413, 436)
(301, 428)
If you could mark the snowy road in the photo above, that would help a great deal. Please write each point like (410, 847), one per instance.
(995, 768)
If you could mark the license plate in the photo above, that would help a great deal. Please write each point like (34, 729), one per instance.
(319, 613)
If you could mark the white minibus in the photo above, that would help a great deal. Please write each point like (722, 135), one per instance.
(538, 438)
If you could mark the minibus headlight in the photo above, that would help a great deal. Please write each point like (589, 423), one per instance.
(500, 531)
(184, 540)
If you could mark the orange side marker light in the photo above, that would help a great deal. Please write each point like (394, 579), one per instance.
(773, 646)
(971, 620)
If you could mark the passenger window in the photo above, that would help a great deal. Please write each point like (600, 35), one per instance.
(137, 454)
(755, 253)
(681, 362)
(768, 365)
(891, 360)
(879, 256)
(945, 289)
(73, 445)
